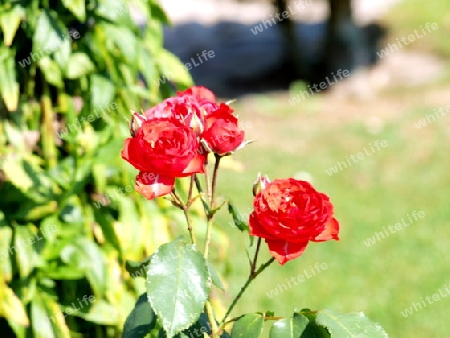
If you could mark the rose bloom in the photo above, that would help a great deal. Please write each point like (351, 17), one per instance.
(288, 214)
(162, 150)
(222, 134)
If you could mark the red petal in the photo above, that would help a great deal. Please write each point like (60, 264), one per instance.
(256, 229)
(331, 231)
(285, 251)
(200, 93)
(151, 185)
(133, 153)
(195, 166)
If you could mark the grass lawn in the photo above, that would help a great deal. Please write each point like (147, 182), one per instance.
(410, 174)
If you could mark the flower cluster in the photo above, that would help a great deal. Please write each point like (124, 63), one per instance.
(172, 139)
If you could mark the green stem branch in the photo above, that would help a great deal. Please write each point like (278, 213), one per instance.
(214, 180)
(187, 216)
(255, 258)
(246, 285)
(211, 213)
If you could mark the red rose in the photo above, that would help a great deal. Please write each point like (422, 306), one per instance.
(162, 149)
(289, 213)
(222, 134)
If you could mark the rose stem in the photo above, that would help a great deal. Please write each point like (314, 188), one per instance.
(252, 273)
(210, 216)
(255, 258)
(247, 283)
(200, 191)
(214, 179)
(207, 178)
(191, 186)
(185, 209)
(211, 213)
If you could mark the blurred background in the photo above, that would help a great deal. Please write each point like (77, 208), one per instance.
(63, 121)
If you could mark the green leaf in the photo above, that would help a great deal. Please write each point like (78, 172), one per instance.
(106, 222)
(9, 87)
(9, 22)
(24, 239)
(30, 179)
(313, 330)
(11, 307)
(112, 9)
(289, 327)
(100, 312)
(15, 136)
(173, 69)
(141, 320)
(102, 91)
(77, 7)
(31, 211)
(49, 34)
(138, 269)
(51, 70)
(237, 219)
(47, 317)
(349, 325)
(124, 40)
(177, 285)
(248, 326)
(157, 12)
(5, 249)
(215, 277)
(85, 255)
(200, 327)
(147, 65)
(62, 54)
(79, 65)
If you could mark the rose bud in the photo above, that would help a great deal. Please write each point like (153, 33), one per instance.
(288, 214)
(222, 134)
(260, 183)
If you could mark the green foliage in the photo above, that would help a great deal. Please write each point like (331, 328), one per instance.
(178, 283)
(141, 320)
(237, 218)
(349, 325)
(289, 327)
(69, 75)
(249, 325)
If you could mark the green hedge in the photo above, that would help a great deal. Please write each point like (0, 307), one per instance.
(70, 71)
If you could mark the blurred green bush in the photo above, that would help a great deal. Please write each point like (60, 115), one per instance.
(70, 71)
